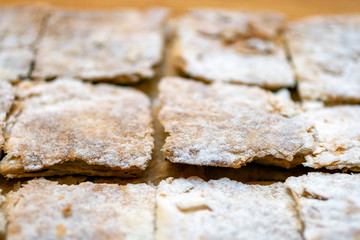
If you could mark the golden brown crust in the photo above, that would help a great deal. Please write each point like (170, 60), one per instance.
(103, 127)
(101, 45)
(229, 126)
(45, 210)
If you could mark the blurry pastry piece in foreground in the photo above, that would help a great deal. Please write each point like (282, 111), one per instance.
(328, 205)
(47, 210)
(339, 138)
(233, 46)
(326, 55)
(224, 209)
(229, 126)
(69, 127)
(122, 46)
(6, 100)
(20, 27)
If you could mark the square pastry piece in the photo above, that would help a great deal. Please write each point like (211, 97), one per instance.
(229, 126)
(224, 209)
(20, 26)
(339, 138)
(47, 210)
(70, 127)
(326, 56)
(122, 46)
(233, 46)
(328, 205)
(6, 100)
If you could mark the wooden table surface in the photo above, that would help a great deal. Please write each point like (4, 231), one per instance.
(293, 8)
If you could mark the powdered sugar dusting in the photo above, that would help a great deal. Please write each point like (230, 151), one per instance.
(326, 57)
(67, 120)
(20, 26)
(227, 125)
(224, 209)
(15, 63)
(228, 46)
(328, 204)
(6, 101)
(339, 137)
(47, 210)
(101, 45)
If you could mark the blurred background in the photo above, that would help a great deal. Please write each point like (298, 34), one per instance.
(293, 8)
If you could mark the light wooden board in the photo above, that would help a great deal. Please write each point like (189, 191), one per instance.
(293, 8)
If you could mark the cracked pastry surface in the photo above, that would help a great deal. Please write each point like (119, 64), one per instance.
(70, 127)
(339, 138)
(233, 46)
(228, 125)
(101, 45)
(224, 209)
(47, 210)
(328, 204)
(325, 52)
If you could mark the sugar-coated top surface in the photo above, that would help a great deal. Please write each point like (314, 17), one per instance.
(6, 101)
(228, 125)
(329, 204)
(68, 120)
(118, 45)
(234, 46)
(46, 210)
(224, 209)
(325, 52)
(339, 137)
(20, 25)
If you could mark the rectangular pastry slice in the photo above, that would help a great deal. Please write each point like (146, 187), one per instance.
(233, 46)
(69, 127)
(20, 28)
(229, 126)
(6, 101)
(224, 209)
(339, 138)
(47, 210)
(121, 46)
(328, 205)
(325, 51)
